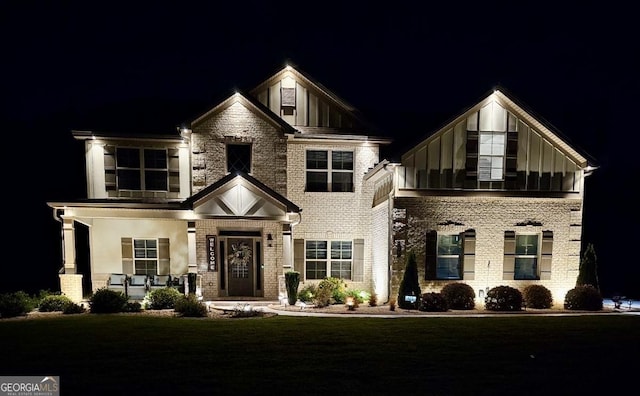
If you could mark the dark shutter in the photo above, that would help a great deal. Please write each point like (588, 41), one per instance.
(471, 166)
(509, 260)
(127, 255)
(511, 163)
(357, 271)
(164, 266)
(298, 257)
(431, 255)
(546, 255)
(468, 258)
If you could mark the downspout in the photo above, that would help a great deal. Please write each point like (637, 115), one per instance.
(390, 230)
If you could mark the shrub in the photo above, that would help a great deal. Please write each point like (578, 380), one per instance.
(15, 304)
(73, 308)
(163, 298)
(323, 294)
(459, 295)
(132, 306)
(583, 297)
(503, 298)
(244, 311)
(292, 281)
(53, 303)
(307, 293)
(537, 296)
(189, 306)
(359, 296)
(105, 300)
(373, 299)
(336, 287)
(409, 286)
(433, 302)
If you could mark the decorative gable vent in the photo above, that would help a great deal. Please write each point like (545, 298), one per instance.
(288, 97)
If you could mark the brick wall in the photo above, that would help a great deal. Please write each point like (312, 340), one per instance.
(490, 217)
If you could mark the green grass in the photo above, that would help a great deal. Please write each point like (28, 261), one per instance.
(142, 355)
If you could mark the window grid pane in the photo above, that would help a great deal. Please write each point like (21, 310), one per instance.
(448, 259)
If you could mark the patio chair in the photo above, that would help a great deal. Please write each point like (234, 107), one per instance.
(137, 287)
(159, 282)
(117, 282)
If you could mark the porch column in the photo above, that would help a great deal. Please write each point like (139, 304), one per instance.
(191, 247)
(70, 281)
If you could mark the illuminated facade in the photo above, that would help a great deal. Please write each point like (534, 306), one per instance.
(289, 177)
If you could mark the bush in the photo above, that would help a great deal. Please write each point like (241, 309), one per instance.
(537, 296)
(503, 298)
(189, 306)
(73, 308)
(410, 286)
(583, 297)
(52, 303)
(163, 298)
(373, 299)
(433, 302)
(336, 288)
(323, 294)
(307, 293)
(459, 295)
(292, 281)
(132, 306)
(105, 300)
(15, 304)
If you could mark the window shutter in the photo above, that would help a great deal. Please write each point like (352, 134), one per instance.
(546, 255)
(471, 165)
(298, 257)
(509, 261)
(469, 254)
(511, 163)
(431, 255)
(127, 255)
(357, 271)
(164, 265)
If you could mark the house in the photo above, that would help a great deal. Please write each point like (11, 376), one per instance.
(288, 176)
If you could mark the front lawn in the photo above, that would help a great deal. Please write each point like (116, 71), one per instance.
(142, 355)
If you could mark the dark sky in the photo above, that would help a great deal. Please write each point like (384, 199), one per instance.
(148, 67)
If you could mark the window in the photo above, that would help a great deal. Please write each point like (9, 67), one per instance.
(491, 156)
(448, 260)
(526, 257)
(142, 169)
(324, 175)
(316, 259)
(341, 259)
(145, 256)
(288, 97)
(239, 158)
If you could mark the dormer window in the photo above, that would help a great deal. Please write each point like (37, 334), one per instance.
(491, 156)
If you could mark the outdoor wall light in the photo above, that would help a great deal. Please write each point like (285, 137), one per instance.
(269, 240)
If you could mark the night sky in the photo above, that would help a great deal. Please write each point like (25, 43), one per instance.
(409, 69)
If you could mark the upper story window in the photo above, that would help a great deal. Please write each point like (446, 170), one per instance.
(145, 256)
(526, 256)
(288, 97)
(491, 155)
(239, 158)
(329, 175)
(142, 169)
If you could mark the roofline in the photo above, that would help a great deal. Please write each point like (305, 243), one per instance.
(92, 135)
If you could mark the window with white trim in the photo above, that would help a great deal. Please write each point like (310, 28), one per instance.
(145, 256)
(318, 263)
(526, 256)
(448, 259)
(325, 175)
(491, 156)
(142, 169)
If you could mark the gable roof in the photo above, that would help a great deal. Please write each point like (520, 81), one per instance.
(317, 87)
(249, 102)
(523, 112)
(201, 196)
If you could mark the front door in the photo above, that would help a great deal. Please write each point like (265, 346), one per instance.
(240, 266)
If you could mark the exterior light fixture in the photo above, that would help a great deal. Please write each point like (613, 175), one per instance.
(269, 240)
